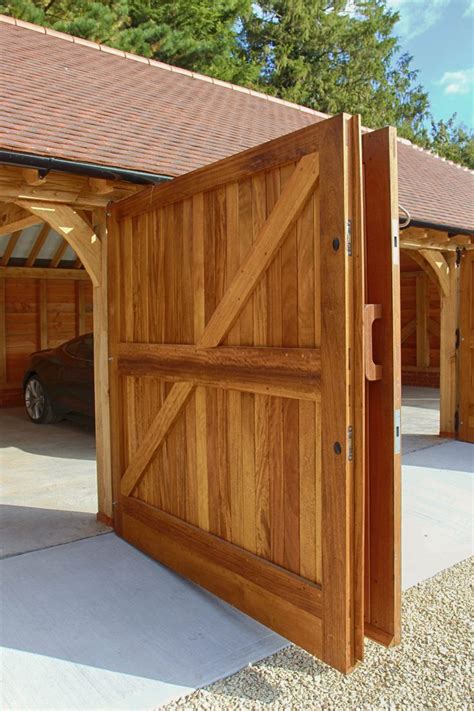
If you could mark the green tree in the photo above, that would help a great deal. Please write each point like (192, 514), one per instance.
(318, 54)
(450, 140)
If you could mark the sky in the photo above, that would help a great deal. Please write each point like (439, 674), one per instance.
(439, 36)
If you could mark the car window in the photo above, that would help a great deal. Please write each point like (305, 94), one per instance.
(84, 349)
(81, 348)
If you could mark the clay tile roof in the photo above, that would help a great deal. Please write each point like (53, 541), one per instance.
(73, 99)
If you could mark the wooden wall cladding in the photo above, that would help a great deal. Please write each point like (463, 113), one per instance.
(37, 314)
(232, 291)
(420, 320)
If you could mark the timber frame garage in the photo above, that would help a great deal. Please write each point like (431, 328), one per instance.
(261, 278)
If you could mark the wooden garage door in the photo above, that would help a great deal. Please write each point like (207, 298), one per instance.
(466, 349)
(237, 391)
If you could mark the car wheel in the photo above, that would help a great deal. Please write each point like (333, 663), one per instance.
(37, 403)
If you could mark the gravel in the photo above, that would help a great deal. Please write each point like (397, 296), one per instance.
(431, 669)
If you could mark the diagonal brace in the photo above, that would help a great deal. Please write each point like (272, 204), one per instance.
(268, 241)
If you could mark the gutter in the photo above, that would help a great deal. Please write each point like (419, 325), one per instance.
(44, 164)
(452, 231)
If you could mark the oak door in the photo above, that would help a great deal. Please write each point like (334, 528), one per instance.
(238, 371)
(466, 349)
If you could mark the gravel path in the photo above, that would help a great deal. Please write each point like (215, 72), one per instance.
(431, 669)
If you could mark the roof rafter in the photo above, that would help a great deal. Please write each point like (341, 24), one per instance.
(39, 242)
(14, 218)
(9, 248)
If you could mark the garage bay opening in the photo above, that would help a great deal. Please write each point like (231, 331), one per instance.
(48, 454)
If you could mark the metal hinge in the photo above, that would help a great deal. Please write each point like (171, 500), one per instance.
(397, 427)
(395, 242)
(457, 338)
(349, 237)
(456, 421)
(350, 443)
(458, 256)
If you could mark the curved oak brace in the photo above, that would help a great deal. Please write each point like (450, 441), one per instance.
(418, 258)
(439, 266)
(75, 230)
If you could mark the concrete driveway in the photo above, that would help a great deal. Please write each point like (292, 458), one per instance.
(48, 492)
(96, 624)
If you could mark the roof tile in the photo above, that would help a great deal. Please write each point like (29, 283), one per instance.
(97, 104)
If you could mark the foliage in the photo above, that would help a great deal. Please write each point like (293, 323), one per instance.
(331, 55)
(451, 141)
(318, 54)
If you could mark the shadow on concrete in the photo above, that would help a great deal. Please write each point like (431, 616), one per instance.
(26, 528)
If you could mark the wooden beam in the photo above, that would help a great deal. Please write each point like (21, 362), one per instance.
(80, 308)
(101, 373)
(270, 371)
(14, 218)
(101, 186)
(439, 266)
(416, 246)
(418, 258)
(43, 313)
(422, 313)
(42, 273)
(407, 330)
(3, 334)
(58, 255)
(31, 176)
(433, 328)
(449, 321)
(67, 223)
(60, 188)
(39, 242)
(9, 248)
(267, 242)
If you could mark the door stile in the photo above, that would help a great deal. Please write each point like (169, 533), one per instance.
(383, 483)
(117, 436)
(358, 380)
(339, 383)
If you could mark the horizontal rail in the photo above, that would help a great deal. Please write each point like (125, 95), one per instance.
(43, 273)
(192, 552)
(283, 372)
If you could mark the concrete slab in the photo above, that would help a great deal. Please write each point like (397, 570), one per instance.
(437, 506)
(96, 624)
(48, 490)
(420, 419)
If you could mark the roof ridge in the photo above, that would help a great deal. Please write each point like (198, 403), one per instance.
(416, 147)
(201, 77)
(154, 63)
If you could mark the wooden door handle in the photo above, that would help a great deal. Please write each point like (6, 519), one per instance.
(371, 313)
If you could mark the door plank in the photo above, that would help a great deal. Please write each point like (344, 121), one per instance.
(269, 239)
(383, 581)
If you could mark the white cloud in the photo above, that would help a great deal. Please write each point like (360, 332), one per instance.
(417, 16)
(459, 82)
(469, 11)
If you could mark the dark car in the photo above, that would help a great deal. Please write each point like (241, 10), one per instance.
(59, 382)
